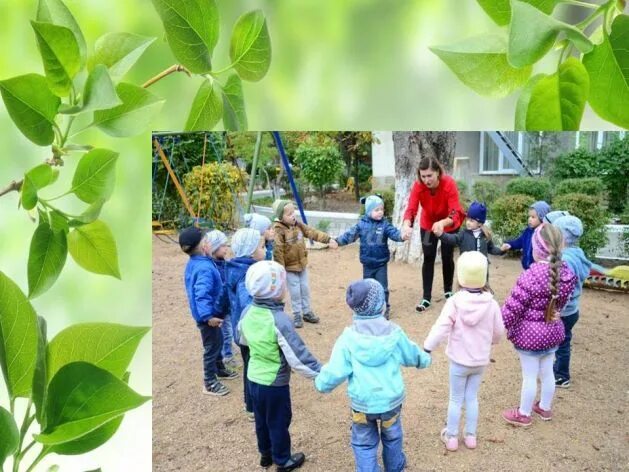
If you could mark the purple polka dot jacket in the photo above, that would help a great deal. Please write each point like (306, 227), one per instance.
(524, 309)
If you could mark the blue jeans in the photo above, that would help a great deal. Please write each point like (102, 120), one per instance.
(273, 414)
(212, 339)
(380, 274)
(228, 338)
(464, 385)
(366, 437)
(562, 356)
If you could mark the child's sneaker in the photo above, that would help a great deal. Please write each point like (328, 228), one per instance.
(299, 322)
(232, 362)
(216, 389)
(513, 416)
(562, 383)
(310, 317)
(250, 416)
(227, 374)
(295, 462)
(266, 460)
(546, 415)
(470, 441)
(451, 442)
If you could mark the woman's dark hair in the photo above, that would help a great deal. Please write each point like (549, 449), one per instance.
(431, 163)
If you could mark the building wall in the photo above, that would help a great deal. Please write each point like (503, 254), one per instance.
(383, 160)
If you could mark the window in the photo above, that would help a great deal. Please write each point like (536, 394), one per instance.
(492, 161)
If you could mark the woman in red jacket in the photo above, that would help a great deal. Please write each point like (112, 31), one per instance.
(441, 211)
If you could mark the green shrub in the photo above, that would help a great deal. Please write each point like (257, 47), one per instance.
(324, 225)
(593, 216)
(614, 160)
(463, 187)
(577, 164)
(486, 192)
(510, 214)
(589, 186)
(538, 188)
(320, 164)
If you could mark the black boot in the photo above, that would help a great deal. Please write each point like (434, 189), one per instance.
(295, 462)
(266, 460)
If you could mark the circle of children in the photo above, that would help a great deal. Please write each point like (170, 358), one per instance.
(240, 300)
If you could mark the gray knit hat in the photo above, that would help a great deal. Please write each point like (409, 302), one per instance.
(216, 239)
(365, 298)
(245, 241)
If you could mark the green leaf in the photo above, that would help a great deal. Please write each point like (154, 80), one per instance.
(94, 177)
(34, 180)
(481, 64)
(608, 66)
(234, 114)
(90, 441)
(119, 52)
(523, 102)
(99, 92)
(533, 33)
(55, 12)
(40, 381)
(250, 47)
(139, 107)
(31, 106)
(18, 338)
(192, 28)
(60, 54)
(46, 259)
(557, 101)
(207, 107)
(82, 398)
(92, 246)
(58, 221)
(89, 215)
(10, 435)
(109, 346)
(500, 10)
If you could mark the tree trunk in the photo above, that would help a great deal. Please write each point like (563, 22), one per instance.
(409, 148)
(356, 173)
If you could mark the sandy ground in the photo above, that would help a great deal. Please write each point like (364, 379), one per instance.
(192, 431)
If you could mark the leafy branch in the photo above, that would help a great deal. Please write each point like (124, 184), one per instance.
(592, 64)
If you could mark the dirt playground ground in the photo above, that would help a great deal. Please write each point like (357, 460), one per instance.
(589, 432)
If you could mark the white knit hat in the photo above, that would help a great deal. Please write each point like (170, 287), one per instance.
(266, 279)
(471, 269)
(245, 241)
(216, 239)
(256, 221)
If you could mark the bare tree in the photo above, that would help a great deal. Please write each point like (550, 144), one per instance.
(409, 148)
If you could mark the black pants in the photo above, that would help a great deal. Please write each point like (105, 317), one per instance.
(429, 245)
(381, 275)
(212, 339)
(244, 352)
(273, 415)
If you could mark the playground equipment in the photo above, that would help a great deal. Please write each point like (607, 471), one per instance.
(616, 279)
(198, 219)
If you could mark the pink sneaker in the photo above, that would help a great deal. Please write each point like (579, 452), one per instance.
(545, 415)
(470, 441)
(451, 442)
(513, 416)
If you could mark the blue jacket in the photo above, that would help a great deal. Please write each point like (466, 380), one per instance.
(204, 288)
(523, 242)
(269, 250)
(221, 265)
(369, 355)
(374, 237)
(580, 265)
(239, 298)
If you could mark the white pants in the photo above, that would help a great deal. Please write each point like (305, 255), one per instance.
(464, 385)
(299, 292)
(532, 368)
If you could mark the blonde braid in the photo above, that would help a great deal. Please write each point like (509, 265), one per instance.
(554, 240)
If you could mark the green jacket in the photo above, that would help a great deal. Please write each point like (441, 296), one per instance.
(274, 345)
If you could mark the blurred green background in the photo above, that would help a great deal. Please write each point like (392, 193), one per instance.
(353, 64)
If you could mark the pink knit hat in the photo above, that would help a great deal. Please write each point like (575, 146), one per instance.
(540, 248)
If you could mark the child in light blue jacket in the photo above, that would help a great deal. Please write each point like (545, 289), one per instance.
(369, 355)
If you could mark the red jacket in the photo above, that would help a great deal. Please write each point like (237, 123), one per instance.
(442, 204)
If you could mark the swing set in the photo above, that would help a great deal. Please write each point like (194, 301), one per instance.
(196, 218)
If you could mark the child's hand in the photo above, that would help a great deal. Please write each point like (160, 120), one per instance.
(333, 244)
(505, 247)
(215, 322)
(405, 235)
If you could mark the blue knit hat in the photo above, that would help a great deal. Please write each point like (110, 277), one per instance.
(541, 208)
(256, 221)
(365, 298)
(571, 228)
(478, 212)
(371, 202)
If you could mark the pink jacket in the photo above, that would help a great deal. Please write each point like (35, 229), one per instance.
(472, 323)
(525, 307)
